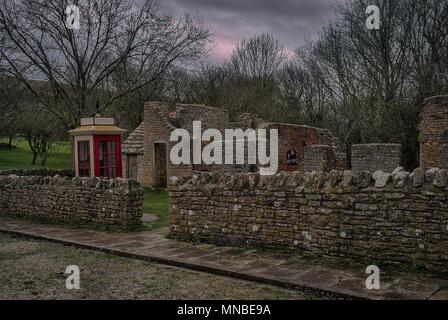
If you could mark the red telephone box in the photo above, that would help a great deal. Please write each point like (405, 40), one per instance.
(97, 148)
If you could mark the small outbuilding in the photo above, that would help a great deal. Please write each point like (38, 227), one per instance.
(97, 148)
(133, 151)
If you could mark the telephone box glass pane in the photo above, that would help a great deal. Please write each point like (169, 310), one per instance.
(107, 158)
(84, 158)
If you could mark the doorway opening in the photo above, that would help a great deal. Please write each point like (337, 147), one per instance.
(160, 165)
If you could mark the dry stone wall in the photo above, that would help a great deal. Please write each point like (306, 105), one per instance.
(116, 202)
(376, 156)
(395, 217)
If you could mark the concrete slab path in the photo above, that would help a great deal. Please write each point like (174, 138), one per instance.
(283, 269)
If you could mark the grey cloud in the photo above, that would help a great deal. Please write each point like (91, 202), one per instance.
(285, 8)
(291, 21)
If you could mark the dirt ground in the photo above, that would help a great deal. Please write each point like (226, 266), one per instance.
(35, 269)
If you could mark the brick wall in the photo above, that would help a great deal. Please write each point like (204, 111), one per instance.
(376, 156)
(116, 202)
(292, 138)
(398, 217)
(296, 137)
(433, 123)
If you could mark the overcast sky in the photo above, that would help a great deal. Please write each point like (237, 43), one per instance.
(290, 21)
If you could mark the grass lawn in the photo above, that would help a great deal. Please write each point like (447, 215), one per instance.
(156, 203)
(20, 156)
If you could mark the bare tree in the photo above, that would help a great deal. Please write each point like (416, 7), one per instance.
(429, 47)
(12, 94)
(303, 97)
(37, 127)
(78, 65)
(257, 58)
(250, 83)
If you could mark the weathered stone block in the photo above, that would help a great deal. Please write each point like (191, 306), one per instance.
(381, 178)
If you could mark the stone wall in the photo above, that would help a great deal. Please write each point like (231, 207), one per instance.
(341, 160)
(445, 150)
(376, 156)
(318, 158)
(398, 217)
(39, 172)
(116, 202)
(133, 167)
(433, 123)
(132, 155)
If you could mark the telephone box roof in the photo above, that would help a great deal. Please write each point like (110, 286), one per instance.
(97, 126)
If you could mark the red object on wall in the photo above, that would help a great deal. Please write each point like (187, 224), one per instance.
(107, 153)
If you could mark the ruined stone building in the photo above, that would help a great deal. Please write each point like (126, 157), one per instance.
(146, 151)
(301, 148)
(132, 156)
(434, 133)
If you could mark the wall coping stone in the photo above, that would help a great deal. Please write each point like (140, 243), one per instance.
(116, 184)
(434, 179)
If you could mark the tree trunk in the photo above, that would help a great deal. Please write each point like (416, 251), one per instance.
(33, 162)
(44, 157)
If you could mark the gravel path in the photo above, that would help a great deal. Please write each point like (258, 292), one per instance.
(34, 269)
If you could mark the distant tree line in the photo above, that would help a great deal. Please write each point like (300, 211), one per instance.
(364, 85)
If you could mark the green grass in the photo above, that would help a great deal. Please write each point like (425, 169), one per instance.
(156, 203)
(20, 156)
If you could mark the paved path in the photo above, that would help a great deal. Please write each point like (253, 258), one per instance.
(148, 218)
(268, 267)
